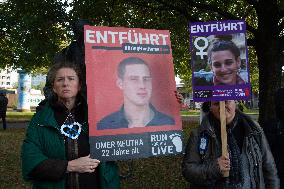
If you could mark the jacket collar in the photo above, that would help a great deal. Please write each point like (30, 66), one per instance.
(121, 114)
(206, 125)
(251, 127)
(46, 117)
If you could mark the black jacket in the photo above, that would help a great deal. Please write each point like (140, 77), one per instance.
(3, 104)
(202, 170)
(274, 131)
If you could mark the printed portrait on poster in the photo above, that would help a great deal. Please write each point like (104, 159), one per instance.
(132, 107)
(219, 61)
(134, 79)
(225, 63)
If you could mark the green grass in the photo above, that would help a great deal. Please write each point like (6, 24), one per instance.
(155, 173)
(19, 116)
(26, 116)
(158, 173)
(190, 112)
(251, 111)
(10, 166)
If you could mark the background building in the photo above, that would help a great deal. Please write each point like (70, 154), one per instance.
(38, 79)
(9, 84)
(8, 78)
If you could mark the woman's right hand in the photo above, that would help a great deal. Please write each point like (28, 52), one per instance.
(224, 163)
(83, 165)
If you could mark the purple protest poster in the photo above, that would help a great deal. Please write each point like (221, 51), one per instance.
(219, 58)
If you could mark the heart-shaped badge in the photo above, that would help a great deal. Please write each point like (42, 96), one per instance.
(71, 131)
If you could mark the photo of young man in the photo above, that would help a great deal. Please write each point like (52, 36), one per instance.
(134, 79)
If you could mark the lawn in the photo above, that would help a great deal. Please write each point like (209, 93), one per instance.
(19, 116)
(150, 173)
(26, 116)
(10, 166)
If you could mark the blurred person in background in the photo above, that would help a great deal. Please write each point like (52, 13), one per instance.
(274, 130)
(3, 109)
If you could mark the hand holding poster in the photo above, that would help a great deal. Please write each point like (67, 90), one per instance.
(133, 111)
(219, 61)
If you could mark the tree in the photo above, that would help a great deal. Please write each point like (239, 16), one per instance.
(265, 26)
(31, 32)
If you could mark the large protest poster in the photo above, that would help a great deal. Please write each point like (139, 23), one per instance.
(132, 108)
(219, 57)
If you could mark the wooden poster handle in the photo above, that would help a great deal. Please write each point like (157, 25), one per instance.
(223, 133)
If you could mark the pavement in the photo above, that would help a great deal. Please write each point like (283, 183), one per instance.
(193, 118)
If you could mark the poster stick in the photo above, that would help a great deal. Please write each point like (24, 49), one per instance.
(223, 133)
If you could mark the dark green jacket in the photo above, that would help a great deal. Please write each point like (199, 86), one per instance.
(43, 140)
